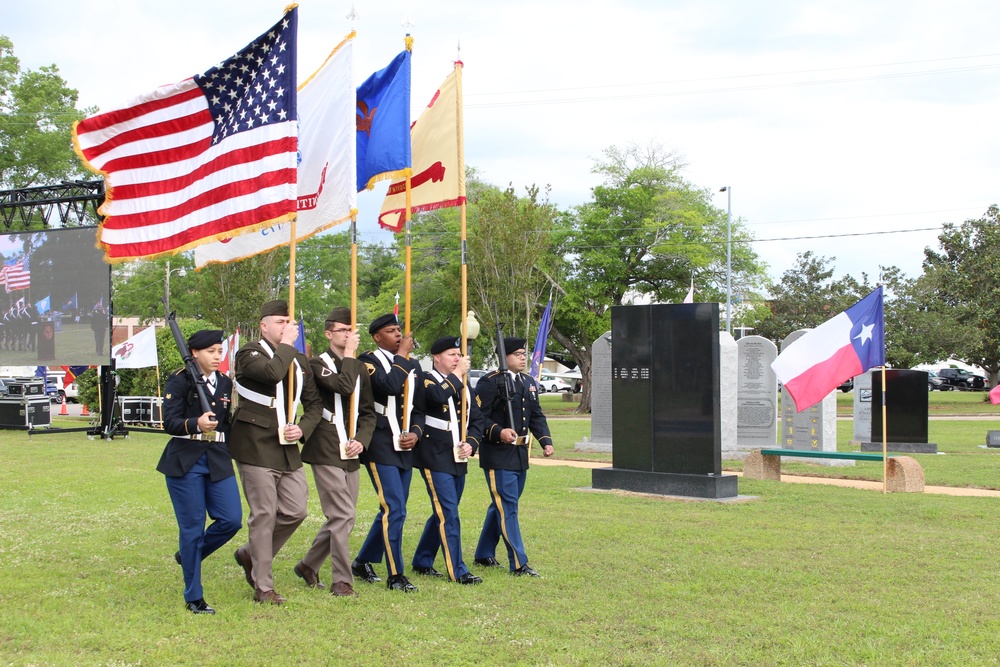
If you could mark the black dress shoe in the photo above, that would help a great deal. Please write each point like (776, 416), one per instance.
(177, 557)
(469, 578)
(524, 571)
(487, 562)
(199, 607)
(364, 572)
(400, 583)
(427, 571)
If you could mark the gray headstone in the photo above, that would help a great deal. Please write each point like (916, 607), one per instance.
(757, 397)
(728, 401)
(600, 397)
(862, 408)
(814, 428)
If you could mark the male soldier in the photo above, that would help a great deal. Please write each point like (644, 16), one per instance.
(333, 450)
(197, 464)
(264, 442)
(441, 456)
(503, 455)
(389, 458)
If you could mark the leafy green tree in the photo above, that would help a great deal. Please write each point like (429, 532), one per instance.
(963, 280)
(806, 296)
(644, 235)
(37, 112)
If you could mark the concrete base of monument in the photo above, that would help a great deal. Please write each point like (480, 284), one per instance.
(666, 483)
(905, 447)
(590, 445)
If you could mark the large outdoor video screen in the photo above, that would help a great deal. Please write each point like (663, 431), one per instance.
(54, 296)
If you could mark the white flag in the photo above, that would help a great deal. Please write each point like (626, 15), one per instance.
(690, 295)
(327, 169)
(139, 351)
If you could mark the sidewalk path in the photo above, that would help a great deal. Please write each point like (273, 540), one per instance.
(794, 479)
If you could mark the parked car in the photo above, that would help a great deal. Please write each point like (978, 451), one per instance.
(961, 379)
(934, 382)
(474, 376)
(847, 385)
(69, 392)
(549, 383)
(53, 392)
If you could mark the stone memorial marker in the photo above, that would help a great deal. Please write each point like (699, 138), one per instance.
(757, 396)
(906, 413)
(814, 428)
(600, 397)
(862, 408)
(728, 402)
(665, 390)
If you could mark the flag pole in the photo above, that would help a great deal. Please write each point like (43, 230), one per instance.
(465, 251)
(291, 314)
(885, 440)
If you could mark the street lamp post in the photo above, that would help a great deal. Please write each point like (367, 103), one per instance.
(471, 330)
(166, 285)
(729, 259)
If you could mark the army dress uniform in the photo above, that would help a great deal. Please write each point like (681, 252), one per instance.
(336, 478)
(444, 477)
(199, 470)
(274, 482)
(505, 465)
(390, 470)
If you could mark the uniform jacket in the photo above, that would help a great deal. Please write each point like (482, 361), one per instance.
(323, 446)
(435, 450)
(181, 410)
(385, 384)
(528, 417)
(254, 436)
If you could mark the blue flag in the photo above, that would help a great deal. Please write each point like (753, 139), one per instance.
(300, 342)
(538, 351)
(383, 122)
(44, 306)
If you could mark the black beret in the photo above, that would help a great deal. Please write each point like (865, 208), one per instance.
(512, 344)
(446, 343)
(340, 314)
(277, 307)
(205, 338)
(384, 321)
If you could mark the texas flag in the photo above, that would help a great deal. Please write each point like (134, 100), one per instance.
(848, 345)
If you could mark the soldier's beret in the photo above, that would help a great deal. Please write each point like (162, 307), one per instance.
(446, 343)
(205, 338)
(383, 321)
(340, 315)
(276, 307)
(512, 344)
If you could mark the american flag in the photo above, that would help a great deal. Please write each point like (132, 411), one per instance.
(16, 274)
(211, 157)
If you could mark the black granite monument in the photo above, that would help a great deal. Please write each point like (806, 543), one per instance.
(906, 413)
(667, 435)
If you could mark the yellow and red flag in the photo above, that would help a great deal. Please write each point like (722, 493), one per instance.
(438, 152)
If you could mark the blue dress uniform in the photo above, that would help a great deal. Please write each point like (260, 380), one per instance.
(199, 473)
(445, 478)
(389, 470)
(506, 466)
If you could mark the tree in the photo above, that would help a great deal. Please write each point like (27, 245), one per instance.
(37, 112)
(963, 278)
(645, 234)
(806, 296)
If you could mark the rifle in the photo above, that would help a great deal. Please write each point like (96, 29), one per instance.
(507, 388)
(190, 365)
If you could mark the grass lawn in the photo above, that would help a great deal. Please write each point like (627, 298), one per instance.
(803, 575)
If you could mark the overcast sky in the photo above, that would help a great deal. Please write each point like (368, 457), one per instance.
(844, 126)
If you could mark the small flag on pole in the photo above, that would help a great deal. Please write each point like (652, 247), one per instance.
(538, 351)
(690, 295)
